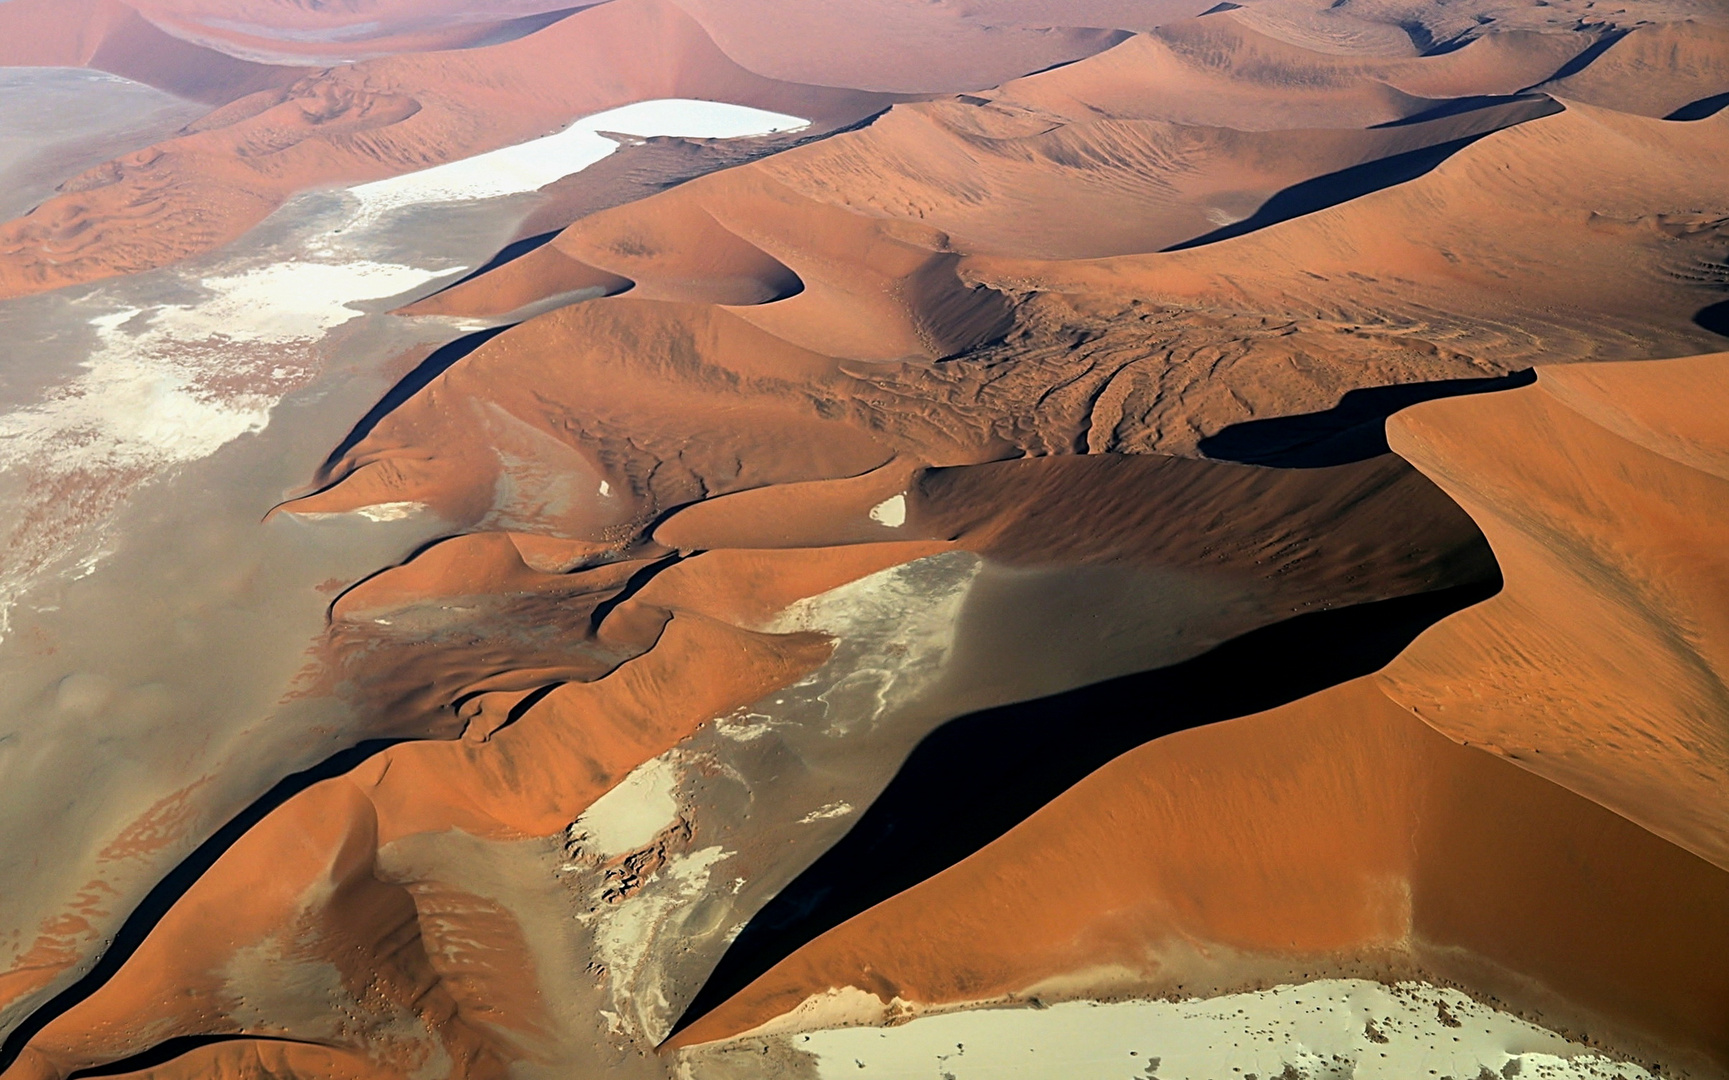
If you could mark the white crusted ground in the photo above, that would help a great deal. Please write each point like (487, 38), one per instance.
(172, 383)
(534, 164)
(1328, 1030)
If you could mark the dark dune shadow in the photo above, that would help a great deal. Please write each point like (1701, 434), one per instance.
(975, 778)
(173, 886)
(633, 585)
(415, 381)
(510, 252)
(164, 1052)
(1424, 41)
(1586, 58)
(1699, 110)
(1714, 318)
(524, 25)
(1335, 188)
(1353, 430)
(1462, 105)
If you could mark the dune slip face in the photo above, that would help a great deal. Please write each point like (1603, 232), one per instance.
(699, 540)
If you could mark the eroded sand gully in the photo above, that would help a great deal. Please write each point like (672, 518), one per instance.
(984, 591)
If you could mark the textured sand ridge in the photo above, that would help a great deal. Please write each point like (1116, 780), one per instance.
(670, 538)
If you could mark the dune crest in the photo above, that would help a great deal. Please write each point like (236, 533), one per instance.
(1602, 665)
(1334, 836)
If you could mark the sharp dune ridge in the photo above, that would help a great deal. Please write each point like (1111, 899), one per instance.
(1130, 501)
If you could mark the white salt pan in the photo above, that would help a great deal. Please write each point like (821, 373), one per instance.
(531, 165)
(891, 512)
(1327, 1030)
(633, 813)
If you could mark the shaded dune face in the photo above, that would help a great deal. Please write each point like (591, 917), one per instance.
(839, 605)
(1486, 877)
(1334, 835)
(353, 900)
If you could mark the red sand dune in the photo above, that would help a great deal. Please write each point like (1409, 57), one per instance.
(1602, 665)
(361, 938)
(1280, 843)
(111, 36)
(375, 119)
(957, 328)
(1614, 207)
(1335, 835)
(379, 924)
(418, 109)
(1654, 70)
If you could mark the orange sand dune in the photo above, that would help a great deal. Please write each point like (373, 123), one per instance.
(957, 331)
(275, 31)
(1079, 162)
(111, 36)
(398, 113)
(992, 180)
(588, 422)
(997, 180)
(375, 119)
(1321, 534)
(1333, 835)
(1395, 29)
(1215, 71)
(305, 898)
(1654, 70)
(847, 285)
(1616, 209)
(640, 168)
(1603, 664)
(904, 48)
(348, 895)
(917, 48)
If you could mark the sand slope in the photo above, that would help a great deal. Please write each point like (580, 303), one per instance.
(1602, 665)
(112, 36)
(1606, 528)
(1655, 71)
(1626, 255)
(1336, 834)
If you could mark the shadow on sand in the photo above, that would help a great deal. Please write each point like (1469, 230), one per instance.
(975, 778)
(164, 1052)
(170, 889)
(1353, 430)
(1358, 180)
(1702, 109)
(414, 382)
(510, 252)
(1714, 318)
